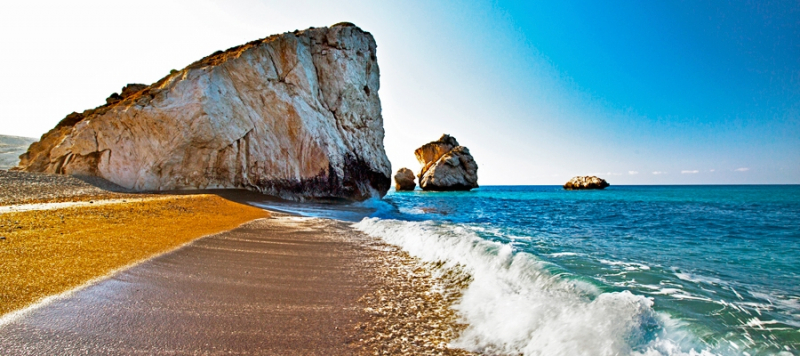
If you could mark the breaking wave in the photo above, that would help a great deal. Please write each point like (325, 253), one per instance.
(519, 304)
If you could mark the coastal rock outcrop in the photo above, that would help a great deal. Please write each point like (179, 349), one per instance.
(404, 179)
(586, 182)
(295, 115)
(446, 166)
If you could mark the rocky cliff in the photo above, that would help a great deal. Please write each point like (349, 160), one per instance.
(446, 166)
(295, 115)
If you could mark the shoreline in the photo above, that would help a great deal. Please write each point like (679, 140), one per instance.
(411, 314)
(48, 252)
(396, 307)
(381, 300)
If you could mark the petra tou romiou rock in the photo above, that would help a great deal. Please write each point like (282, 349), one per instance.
(295, 115)
(446, 166)
(404, 179)
(586, 182)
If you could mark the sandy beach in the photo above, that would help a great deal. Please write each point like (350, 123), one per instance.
(278, 285)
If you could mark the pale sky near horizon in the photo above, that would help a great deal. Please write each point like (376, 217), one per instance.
(637, 93)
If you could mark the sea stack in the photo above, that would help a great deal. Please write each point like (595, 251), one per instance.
(404, 180)
(446, 166)
(586, 182)
(295, 115)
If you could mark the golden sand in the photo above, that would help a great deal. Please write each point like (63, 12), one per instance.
(47, 252)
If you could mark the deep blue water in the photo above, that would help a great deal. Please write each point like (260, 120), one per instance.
(714, 269)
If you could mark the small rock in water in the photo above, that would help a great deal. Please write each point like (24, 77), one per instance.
(404, 179)
(586, 182)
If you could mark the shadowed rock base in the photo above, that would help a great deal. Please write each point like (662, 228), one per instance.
(451, 188)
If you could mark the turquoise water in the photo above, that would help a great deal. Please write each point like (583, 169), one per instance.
(643, 270)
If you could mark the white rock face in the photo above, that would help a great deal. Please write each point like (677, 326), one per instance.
(295, 115)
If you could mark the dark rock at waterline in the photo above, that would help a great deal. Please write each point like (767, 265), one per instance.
(404, 179)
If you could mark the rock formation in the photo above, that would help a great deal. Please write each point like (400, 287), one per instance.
(586, 182)
(404, 179)
(295, 115)
(446, 166)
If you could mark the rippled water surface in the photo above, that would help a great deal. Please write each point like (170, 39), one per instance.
(661, 270)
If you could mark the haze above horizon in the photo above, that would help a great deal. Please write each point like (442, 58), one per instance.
(638, 93)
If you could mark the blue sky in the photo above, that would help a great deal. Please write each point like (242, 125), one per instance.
(687, 85)
(651, 92)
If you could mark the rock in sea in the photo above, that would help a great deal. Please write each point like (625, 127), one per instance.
(446, 166)
(295, 115)
(404, 179)
(586, 182)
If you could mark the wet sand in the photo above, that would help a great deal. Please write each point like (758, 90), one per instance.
(268, 287)
(279, 286)
(46, 252)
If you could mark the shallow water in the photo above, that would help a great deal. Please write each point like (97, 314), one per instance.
(661, 270)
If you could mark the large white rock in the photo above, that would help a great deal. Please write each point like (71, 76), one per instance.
(295, 115)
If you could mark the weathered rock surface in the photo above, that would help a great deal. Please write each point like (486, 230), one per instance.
(404, 179)
(295, 115)
(446, 165)
(586, 182)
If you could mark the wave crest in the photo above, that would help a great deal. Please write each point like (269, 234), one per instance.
(513, 305)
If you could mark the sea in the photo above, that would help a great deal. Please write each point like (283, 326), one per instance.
(628, 270)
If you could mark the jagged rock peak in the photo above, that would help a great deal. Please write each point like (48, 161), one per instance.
(446, 166)
(404, 179)
(431, 151)
(295, 115)
(586, 182)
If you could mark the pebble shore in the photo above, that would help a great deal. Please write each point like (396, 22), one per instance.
(26, 188)
(410, 313)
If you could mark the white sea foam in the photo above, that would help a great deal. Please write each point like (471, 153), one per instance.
(563, 254)
(697, 278)
(628, 266)
(515, 306)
